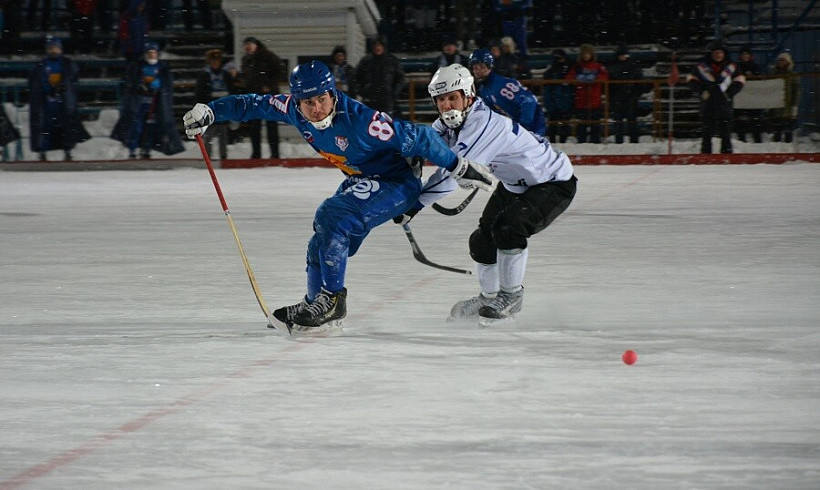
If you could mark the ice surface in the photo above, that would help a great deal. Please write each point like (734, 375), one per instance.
(133, 353)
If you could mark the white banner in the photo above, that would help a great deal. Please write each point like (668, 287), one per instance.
(761, 94)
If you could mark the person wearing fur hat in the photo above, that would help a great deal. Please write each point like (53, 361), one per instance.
(588, 107)
(785, 118)
(716, 80)
(146, 118)
(54, 123)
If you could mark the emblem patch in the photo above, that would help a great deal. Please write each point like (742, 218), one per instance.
(342, 142)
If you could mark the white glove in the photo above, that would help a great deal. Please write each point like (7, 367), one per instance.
(197, 120)
(471, 175)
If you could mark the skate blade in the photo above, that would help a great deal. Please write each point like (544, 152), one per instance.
(461, 319)
(329, 327)
(282, 327)
(495, 322)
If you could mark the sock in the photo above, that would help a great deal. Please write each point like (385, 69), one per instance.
(512, 264)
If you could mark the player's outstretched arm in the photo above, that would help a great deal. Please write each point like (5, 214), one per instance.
(471, 175)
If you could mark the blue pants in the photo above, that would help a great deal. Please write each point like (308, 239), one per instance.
(343, 221)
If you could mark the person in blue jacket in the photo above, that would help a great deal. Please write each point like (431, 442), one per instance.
(506, 95)
(369, 147)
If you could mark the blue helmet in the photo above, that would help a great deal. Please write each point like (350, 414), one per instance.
(482, 55)
(311, 79)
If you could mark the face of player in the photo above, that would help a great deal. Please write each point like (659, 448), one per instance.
(316, 108)
(452, 101)
(481, 71)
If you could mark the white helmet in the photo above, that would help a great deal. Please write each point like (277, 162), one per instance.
(449, 79)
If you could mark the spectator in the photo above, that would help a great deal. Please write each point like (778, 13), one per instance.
(449, 55)
(132, 30)
(422, 14)
(262, 71)
(785, 118)
(748, 120)
(11, 23)
(624, 97)
(588, 72)
(54, 123)
(558, 99)
(380, 79)
(146, 118)
(343, 72)
(216, 80)
(506, 95)
(466, 12)
(716, 80)
(511, 64)
(204, 14)
(513, 15)
(82, 25)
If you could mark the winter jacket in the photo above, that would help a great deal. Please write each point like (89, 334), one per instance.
(558, 99)
(716, 84)
(625, 70)
(379, 81)
(73, 130)
(262, 71)
(588, 95)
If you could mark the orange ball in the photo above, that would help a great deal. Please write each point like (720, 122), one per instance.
(630, 357)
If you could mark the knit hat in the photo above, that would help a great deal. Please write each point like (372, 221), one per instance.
(150, 46)
(586, 48)
(622, 49)
(338, 49)
(53, 41)
(786, 57)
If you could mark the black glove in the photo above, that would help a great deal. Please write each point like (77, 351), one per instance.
(405, 218)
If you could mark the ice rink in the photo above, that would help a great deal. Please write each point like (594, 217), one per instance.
(133, 353)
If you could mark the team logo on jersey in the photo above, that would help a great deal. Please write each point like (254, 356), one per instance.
(308, 136)
(342, 142)
(363, 188)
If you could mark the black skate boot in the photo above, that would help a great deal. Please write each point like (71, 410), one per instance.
(501, 309)
(282, 318)
(327, 308)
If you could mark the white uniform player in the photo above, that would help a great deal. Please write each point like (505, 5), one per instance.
(536, 185)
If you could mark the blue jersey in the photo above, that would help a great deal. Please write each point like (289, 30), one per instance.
(361, 142)
(508, 97)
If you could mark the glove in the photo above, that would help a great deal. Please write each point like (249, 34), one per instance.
(197, 120)
(405, 218)
(471, 175)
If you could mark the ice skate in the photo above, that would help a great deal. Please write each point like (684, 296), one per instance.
(327, 310)
(468, 308)
(502, 308)
(282, 318)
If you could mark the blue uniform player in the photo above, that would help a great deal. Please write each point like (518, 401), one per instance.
(506, 95)
(369, 147)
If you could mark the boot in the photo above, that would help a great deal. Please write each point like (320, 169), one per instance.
(327, 307)
(468, 308)
(504, 306)
(282, 318)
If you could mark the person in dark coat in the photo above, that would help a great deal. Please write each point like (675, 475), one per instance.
(449, 55)
(216, 80)
(343, 72)
(748, 120)
(623, 98)
(262, 72)
(380, 79)
(132, 30)
(558, 99)
(54, 122)
(716, 80)
(146, 119)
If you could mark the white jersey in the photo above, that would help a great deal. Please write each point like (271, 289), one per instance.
(516, 157)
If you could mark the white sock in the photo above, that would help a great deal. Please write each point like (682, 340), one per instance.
(512, 264)
(487, 279)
